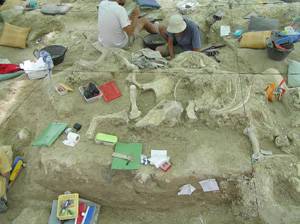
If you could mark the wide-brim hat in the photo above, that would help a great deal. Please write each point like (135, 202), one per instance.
(176, 24)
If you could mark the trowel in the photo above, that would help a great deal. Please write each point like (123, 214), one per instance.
(122, 156)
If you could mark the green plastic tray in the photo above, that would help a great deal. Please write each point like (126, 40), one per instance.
(50, 134)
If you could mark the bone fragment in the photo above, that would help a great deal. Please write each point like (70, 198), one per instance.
(190, 110)
(161, 87)
(251, 133)
(97, 119)
(135, 112)
(164, 112)
(131, 78)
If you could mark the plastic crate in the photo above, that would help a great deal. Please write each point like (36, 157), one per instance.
(72, 211)
(106, 139)
(90, 100)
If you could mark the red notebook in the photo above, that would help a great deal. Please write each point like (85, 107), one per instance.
(110, 91)
(81, 210)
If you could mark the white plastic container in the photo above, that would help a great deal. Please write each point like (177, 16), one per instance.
(37, 74)
(90, 100)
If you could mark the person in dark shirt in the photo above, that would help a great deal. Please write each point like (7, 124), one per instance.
(181, 35)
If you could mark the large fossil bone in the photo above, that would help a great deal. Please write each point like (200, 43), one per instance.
(251, 133)
(160, 86)
(236, 103)
(165, 111)
(134, 112)
(122, 115)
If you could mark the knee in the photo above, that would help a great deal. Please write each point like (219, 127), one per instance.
(162, 29)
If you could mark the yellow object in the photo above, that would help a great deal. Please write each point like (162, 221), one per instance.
(14, 36)
(255, 40)
(68, 88)
(270, 91)
(71, 211)
(16, 171)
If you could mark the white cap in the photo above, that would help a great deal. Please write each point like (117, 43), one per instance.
(176, 24)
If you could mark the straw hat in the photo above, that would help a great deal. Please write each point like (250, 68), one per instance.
(176, 24)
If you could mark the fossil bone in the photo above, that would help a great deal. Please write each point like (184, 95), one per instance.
(164, 111)
(234, 104)
(190, 110)
(135, 112)
(251, 133)
(161, 86)
(122, 115)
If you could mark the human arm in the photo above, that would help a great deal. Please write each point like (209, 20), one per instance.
(196, 39)
(129, 29)
(171, 47)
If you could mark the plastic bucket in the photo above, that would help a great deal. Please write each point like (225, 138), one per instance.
(57, 53)
(278, 54)
(153, 41)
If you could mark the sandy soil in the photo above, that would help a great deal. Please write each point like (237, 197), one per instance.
(213, 146)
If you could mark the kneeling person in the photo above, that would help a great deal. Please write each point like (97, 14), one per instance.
(181, 35)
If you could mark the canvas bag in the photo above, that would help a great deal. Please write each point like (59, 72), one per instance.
(256, 40)
(14, 36)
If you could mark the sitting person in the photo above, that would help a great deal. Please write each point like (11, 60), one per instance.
(181, 35)
(5, 168)
(115, 26)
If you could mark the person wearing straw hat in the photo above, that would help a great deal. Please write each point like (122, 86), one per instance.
(181, 35)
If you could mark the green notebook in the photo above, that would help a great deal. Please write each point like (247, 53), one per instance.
(131, 149)
(50, 134)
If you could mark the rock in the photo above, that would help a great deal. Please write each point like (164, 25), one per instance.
(166, 111)
(282, 141)
(23, 134)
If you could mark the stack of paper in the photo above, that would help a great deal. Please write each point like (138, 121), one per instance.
(158, 157)
(209, 185)
(187, 189)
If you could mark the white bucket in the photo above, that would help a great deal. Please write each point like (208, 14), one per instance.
(37, 74)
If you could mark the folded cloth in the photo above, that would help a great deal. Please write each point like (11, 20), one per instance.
(147, 58)
(9, 68)
(152, 4)
(10, 75)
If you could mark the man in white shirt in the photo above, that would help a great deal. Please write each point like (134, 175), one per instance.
(115, 26)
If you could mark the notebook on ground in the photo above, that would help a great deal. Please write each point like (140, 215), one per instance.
(110, 91)
(134, 150)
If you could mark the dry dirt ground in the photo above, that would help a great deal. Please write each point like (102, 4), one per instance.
(226, 98)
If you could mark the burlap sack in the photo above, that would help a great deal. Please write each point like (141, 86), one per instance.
(256, 40)
(14, 36)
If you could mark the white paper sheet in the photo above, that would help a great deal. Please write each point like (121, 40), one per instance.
(158, 157)
(209, 185)
(224, 31)
(187, 189)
